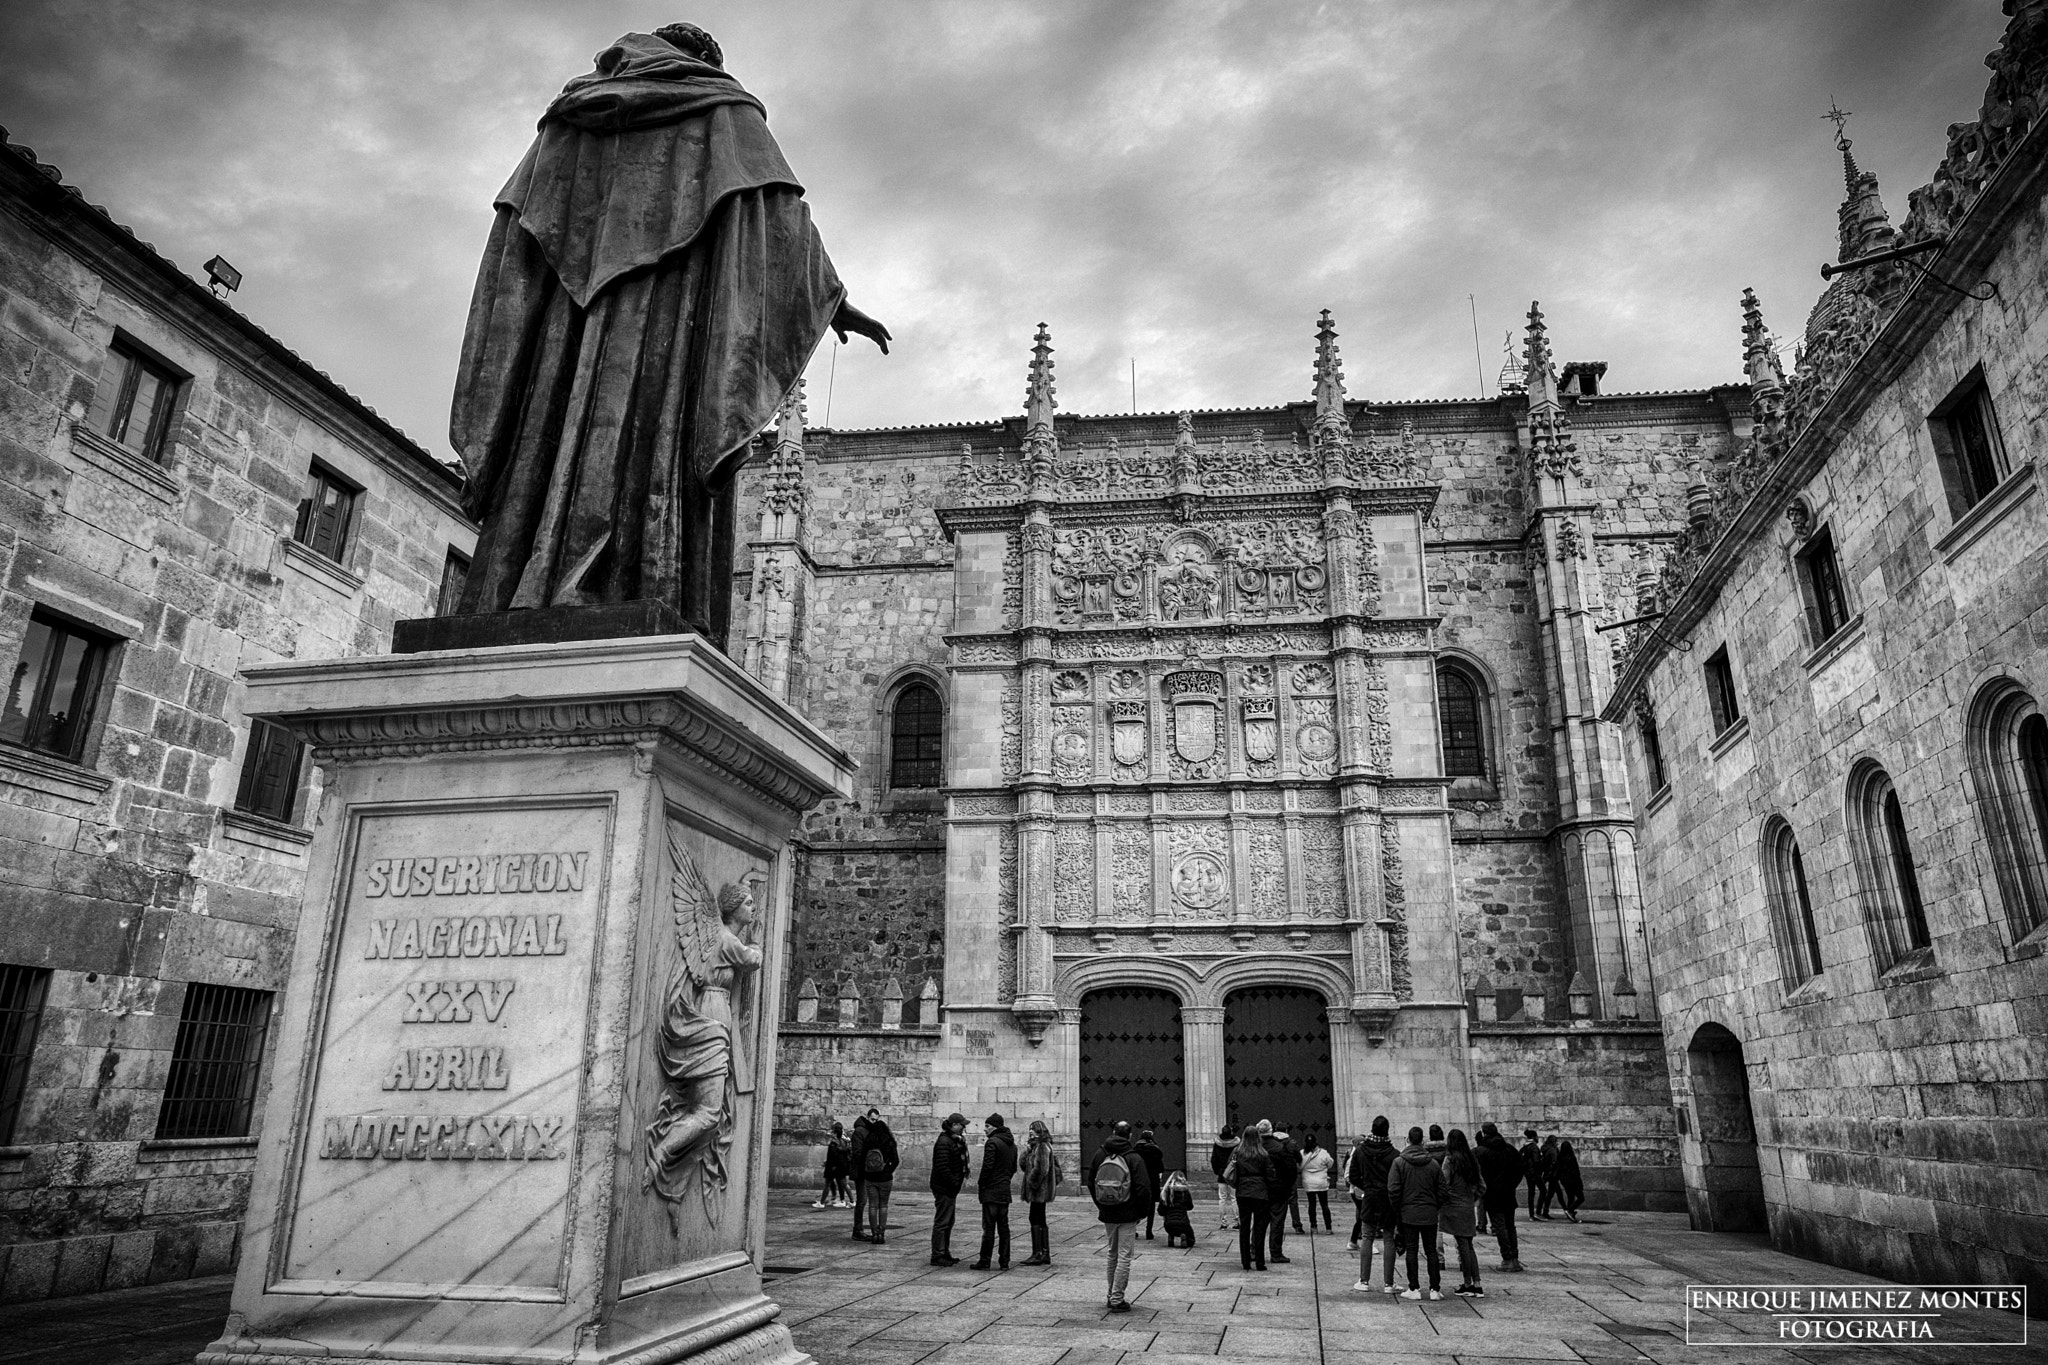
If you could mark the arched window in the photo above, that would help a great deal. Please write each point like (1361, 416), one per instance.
(2009, 752)
(1462, 715)
(915, 727)
(1891, 887)
(1792, 920)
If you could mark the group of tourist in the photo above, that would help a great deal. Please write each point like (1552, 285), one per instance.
(1404, 1200)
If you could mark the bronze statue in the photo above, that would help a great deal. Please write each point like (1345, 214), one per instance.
(705, 1043)
(651, 290)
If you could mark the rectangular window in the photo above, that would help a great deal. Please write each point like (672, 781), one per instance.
(1967, 444)
(55, 688)
(454, 578)
(1653, 753)
(132, 405)
(1820, 581)
(1721, 690)
(325, 513)
(214, 1063)
(270, 772)
(22, 990)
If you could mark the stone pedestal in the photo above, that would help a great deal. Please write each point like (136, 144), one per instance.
(520, 1100)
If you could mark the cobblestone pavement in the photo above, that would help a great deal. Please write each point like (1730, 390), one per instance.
(1607, 1291)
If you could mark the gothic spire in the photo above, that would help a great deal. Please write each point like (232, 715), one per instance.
(1539, 376)
(784, 491)
(1331, 422)
(1759, 356)
(1041, 443)
(1551, 447)
(1865, 226)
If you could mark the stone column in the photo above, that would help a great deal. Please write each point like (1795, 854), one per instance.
(1201, 1034)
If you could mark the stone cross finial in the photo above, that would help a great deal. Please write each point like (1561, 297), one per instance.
(1039, 390)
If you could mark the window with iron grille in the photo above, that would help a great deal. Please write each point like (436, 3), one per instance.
(454, 578)
(214, 1063)
(132, 405)
(22, 991)
(1721, 690)
(1967, 445)
(270, 772)
(56, 687)
(325, 513)
(1462, 723)
(1820, 577)
(915, 730)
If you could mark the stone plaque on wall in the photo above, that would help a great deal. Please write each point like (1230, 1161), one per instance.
(451, 1050)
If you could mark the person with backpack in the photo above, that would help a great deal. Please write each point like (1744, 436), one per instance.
(1371, 1163)
(1501, 1167)
(1250, 1176)
(1415, 1188)
(1042, 1177)
(1219, 1160)
(998, 1165)
(1155, 1166)
(1316, 1165)
(1123, 1192)
(1464, 1187)
(949, 1172)
(856, 1155)
(879, 1160)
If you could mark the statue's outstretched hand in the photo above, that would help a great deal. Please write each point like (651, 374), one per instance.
(851, 319)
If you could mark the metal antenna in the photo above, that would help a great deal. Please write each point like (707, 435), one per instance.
(831, 380)
(1477, 359)
(1134, 384)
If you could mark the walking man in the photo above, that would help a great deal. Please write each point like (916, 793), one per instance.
(1501, 1165)
(1532, 1167)
(949, 1172)
(1121, 1187)
(998, 1164)
(1286, 1171)
(1415, 1188)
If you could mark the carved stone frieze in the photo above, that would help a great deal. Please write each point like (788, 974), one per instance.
(1073, 803)
(1130, 870)
(1197, 802)
(982, 806)
(1074, 871)
(1199, 861)
(1256, 799)
(1013, 731)
(1268, 871)
(1129, 803)
(1322, 869)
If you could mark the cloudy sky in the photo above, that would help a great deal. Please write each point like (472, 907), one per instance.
(1184, 184)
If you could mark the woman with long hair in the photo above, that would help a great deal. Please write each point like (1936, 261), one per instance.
(1463, 1186)
(1042, 1177)
(1316, 1165)
(1571, 1186)
(1251, 1174)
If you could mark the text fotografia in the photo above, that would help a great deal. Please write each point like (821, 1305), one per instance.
(1856, 1314)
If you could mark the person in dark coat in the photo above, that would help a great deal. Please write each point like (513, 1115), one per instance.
(1286, 1154)
(879, 1160)
(1415, 1188)
(1501, 1167)
(1532, 1168)
(1042, 1177)
(1564, 1173)
(1371, 1162)
(1219, 1160)
(1464, 1187)
(1250, 1176)
(835, 1170)
(1120, 1217)
(1155, 1166)
(949, 1172)
(998, 1165)
(1547, 1155)
(856, 1157)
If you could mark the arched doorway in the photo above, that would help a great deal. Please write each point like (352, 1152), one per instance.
(1133, 1067)
(1276, 1061)
(1730, 1194)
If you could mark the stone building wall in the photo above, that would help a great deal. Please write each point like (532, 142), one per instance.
(129, 875)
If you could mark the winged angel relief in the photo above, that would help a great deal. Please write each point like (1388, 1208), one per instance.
(704, 1060)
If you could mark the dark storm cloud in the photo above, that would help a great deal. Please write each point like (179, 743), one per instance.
(1185, 184)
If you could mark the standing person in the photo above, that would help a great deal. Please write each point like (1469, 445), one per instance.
(877, 1176)
(949, 1173)
(1351, 1188)
(1548, 1157)
(856, 1156)
(1316, 1165)
(1286, 1172)
(1501, 1167)
(1250, 1176)
(835, 1168)
(1155, 1166)
(1120, 1185)
(1219, 1161)
(1532, 1167)
(1042, 1177)
(1564, 1172)
(1378, 1218)
(1415, 1188)
(998, 1164)
(1464, 1186)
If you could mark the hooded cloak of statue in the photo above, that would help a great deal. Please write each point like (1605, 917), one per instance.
(652, 289)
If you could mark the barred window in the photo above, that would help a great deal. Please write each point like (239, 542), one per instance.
(326, 513)
(270, 772)
(214, 1063)
(132, 405)
(1462, 721)
(916, 728)
(55, 691)
(22, 991)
